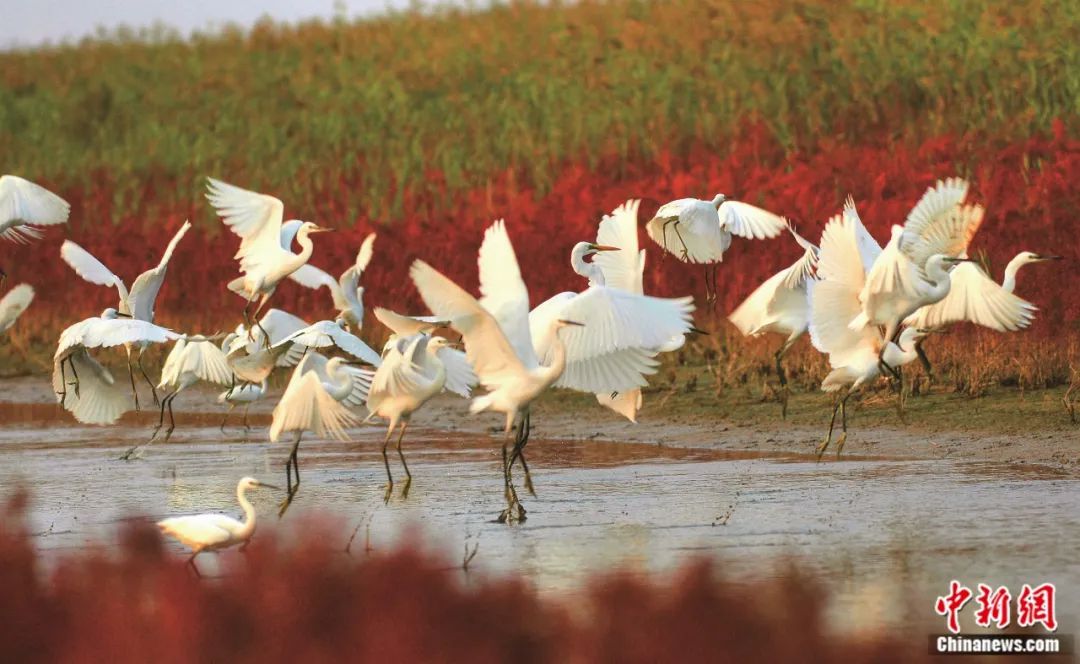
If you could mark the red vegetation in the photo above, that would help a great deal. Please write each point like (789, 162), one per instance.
(310, 603)
(1028, 188)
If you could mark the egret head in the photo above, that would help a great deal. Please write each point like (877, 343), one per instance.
(1032, 257)
(252, 483)
(110, 314)
(438, 343)
(584, 249)
(308, 228)
(718, 200)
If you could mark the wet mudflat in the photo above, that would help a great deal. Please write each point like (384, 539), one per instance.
(885, 536)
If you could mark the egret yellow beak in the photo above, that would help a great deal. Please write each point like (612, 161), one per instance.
(570, 322)
(602, 247)
(264, 485)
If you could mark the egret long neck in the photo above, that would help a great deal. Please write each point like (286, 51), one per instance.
(557, 355)
(306, 246)
(590, 271)
(1009, 283)
(942, 281)
(249, 513)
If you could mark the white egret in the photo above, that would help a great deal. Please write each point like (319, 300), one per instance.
(846, 251)
(414, 369)
(702, 230)
(616, 348)
(331, 333)
(137, 303)
(264, 254)
(24, 206)
(96, 399)
(213, 532)
(976, 298)
(346, 291)
(498, 343)
(912, 271)
(317, 399)
(624, 270)
(246, 394)
(192, 359)
(780, 305)
(13, 304)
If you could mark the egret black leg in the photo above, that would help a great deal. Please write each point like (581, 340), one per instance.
(401, 455)
(142, 370)
(191, 564)
(832, 423)
(386, 463)
(75, 374)
(226, 418)
(172, 419)
(843, 423)
(131, 375)
(291, 488)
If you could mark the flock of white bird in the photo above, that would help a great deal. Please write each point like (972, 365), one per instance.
(867, 307)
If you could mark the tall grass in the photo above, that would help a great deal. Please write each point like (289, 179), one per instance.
(436, 103)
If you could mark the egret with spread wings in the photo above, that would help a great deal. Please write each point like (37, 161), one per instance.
(498, 345)
(265, 255)
(623, 329)
(847, 254)
(318, 398)
(138, 303)
(413, 370)
(698, 231)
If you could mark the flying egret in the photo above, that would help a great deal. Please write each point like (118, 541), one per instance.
(96, 399)
(213, 532)
(976, 298)
(846, 252)
(347, 294)
(246, 394)
(24, 206)
(264, 254)
(912, 271)
(624, 270)
(414, 369)
(780, 305)
(498, 343)
(332, 333)
(192, 359)
(138, 302)
(13, 304)
(701, 231)
(317, 399)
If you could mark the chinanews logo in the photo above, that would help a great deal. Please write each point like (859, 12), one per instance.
(993, 608)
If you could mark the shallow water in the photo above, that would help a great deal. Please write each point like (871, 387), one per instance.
(884, 535)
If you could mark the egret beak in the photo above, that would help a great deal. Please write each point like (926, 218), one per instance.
(120, 315)
(320, 229)
(951, 259)
(698, 330)
(264, 485)
(602, 247)
(1040, 257)
(570, 322)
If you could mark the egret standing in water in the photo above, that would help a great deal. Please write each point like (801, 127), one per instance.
(498, 343)
(698, 231)
(414, 369)
(213, 532)
(24, 206)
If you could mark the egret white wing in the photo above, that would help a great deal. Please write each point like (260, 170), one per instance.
(91, 269)
(750, 221)
(24, 205)
(256, 218)
(100, 399)
(615, 371)
(307, 406)
(503, 292)
(145, 290)
(460, 377)
(623, 268)
(199, 530)
(976, 298)
(486, 346)
(106, 333)
(13, 304)
(403, 325)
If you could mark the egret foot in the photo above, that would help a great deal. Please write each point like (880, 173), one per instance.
(529, 484)
(389, 492)
(284, 505)
(785, 393)
(405, 489)
(840, 443)
(822, 446)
